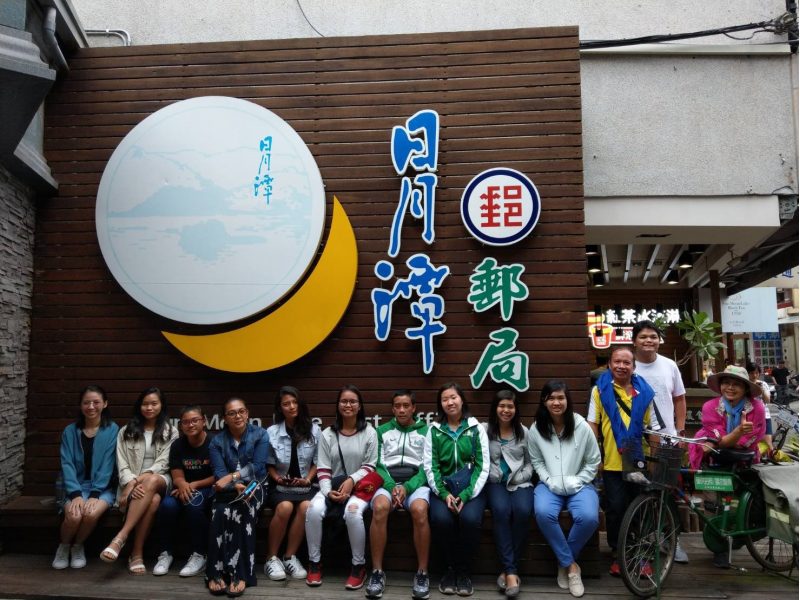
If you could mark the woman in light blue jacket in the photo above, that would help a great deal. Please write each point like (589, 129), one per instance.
(565, 455)
(88, 462)
(292, 469)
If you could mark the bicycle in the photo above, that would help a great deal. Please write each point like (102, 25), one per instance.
(648, 534)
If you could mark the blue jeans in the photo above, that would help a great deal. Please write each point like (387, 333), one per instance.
(584, 508)
(195, 517)
(507, 508)
(469, 531)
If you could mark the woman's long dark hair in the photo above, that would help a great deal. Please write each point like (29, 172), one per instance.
(105, 416)
(441, 416)
(361, 417)
(303, 424)
(135, 428)
(493, 429)
(544, 422)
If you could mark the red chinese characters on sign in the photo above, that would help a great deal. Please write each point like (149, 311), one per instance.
(503, 206)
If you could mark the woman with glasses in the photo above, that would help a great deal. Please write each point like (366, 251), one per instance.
(348, 451)
(238, 458)
(292, 467)
(565, 455)
(88, 461)
(143, 467)
(192, 479)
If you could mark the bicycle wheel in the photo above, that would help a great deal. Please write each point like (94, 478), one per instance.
(771, 553)
(639, 541)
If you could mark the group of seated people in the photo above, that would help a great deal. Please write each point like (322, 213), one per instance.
(444, 475)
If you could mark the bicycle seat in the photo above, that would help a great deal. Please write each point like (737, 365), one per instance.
(726, 456)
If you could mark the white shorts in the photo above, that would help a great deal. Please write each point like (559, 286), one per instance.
(422, 493)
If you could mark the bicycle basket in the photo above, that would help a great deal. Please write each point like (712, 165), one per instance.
(652, 464)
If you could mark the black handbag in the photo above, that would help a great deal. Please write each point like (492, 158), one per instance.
(403, 473)
(459, 481)
(336, 483)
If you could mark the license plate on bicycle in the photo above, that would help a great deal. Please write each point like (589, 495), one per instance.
(713, 482)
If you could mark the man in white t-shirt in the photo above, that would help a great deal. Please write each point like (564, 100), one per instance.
(664, 377)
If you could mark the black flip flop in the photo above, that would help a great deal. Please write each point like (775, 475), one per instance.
(235, 582)
(221, 591)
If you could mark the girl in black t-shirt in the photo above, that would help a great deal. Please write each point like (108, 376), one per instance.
(193, 481)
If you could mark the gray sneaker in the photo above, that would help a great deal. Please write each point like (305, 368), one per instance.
(562, 579)
(61, 561)
(422, 586)
(376, 585)
(680, 554)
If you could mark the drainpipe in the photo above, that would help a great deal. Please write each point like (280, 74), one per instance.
(49, 33)
(120, 33)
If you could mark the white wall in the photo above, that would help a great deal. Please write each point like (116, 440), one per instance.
(653, 125)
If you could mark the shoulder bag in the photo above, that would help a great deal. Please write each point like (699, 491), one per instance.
(459, 481)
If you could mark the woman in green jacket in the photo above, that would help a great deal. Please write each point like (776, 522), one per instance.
(454, 441)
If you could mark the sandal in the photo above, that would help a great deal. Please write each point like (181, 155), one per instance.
(221, 591)
(104, 555)
(235, 581)
(136, 566)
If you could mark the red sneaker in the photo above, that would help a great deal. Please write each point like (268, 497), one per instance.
(615, 569)
(646, 570)
(314, 577)
(358, 574)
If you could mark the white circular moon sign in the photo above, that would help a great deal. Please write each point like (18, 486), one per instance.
(210, 210)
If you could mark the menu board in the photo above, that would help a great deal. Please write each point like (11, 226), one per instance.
(767, 349)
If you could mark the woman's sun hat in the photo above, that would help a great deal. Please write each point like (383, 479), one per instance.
(734, 372)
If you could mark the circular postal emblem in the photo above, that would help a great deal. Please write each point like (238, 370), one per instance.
(500, 206)
(210, 210)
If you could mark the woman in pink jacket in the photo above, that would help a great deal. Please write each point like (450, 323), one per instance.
(735, 419)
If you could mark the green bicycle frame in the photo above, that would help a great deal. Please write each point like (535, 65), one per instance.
(743, 497)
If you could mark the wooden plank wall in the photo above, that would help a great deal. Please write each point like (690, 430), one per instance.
(506, 98)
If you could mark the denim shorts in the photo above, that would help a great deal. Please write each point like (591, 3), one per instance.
(108, 496)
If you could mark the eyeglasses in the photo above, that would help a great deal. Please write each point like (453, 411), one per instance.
(232, 413)
(188, 422)
(346, 401)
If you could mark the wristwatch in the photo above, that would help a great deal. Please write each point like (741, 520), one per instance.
(682, 432)
(234, 476)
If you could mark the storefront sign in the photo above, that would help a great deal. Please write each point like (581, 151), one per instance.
(416, 145)
(755, 309)
(500, 207)
(502, 362)
(767, 348)
(607, 329)
(493, 284)
(212, 210)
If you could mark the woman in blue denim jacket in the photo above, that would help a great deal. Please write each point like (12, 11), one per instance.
(238, 457)
(292, 467)
(88, 461)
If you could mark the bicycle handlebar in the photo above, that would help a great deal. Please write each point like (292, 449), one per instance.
(704, 441)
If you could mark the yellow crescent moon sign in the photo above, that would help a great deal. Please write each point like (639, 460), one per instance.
(295, 328)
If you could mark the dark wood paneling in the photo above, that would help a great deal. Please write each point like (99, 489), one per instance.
(506, 98)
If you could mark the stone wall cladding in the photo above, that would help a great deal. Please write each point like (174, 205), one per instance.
(17, 222)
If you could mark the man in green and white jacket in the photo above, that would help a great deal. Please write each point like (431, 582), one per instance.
(401, 444)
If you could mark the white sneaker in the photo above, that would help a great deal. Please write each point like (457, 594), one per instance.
(575, 584)
(562, 579)
(274, 569)
(162, 566)
(78, 557)
(680, 554)
(194, 565)
(295, 568)
(61, 561)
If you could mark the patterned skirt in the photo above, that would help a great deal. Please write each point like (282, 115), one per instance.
(232, 540)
